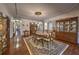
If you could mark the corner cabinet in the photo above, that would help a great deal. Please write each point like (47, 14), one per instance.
(67, 30)
(4, 35)
(33, 28)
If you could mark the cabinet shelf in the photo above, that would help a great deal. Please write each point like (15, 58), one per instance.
(67, 29)
(4, 34)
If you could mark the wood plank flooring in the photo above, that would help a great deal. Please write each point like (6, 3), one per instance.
(22, 50)
(72, 50)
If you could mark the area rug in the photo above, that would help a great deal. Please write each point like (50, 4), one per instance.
(57, 48)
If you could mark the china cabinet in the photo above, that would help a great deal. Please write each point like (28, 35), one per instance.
(33, 28)
(67, 29)
(4, 35)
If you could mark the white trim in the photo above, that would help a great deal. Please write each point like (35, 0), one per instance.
(31, 52)
(27, 47)
(64, 50)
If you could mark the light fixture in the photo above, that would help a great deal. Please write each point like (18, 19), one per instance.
(38, 13)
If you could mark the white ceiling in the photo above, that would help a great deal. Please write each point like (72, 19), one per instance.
(48, 10)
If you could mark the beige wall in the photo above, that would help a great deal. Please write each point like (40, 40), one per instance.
(4, 11)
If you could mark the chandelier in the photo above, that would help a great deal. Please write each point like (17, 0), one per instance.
(38, 13)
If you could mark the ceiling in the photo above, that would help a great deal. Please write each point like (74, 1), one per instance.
(48, 10)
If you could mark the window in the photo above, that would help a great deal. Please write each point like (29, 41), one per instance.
(45, 26)
(50, 26)
(40, 26)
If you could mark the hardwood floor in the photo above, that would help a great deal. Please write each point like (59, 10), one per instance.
(72, 50)
(22, 50)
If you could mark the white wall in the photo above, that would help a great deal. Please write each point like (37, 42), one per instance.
(25, 22)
